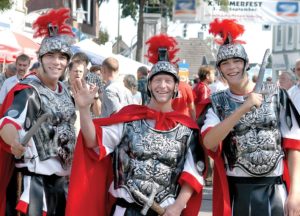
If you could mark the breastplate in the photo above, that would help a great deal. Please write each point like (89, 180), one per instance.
(254, 144)
(149, 161)
(56, 137)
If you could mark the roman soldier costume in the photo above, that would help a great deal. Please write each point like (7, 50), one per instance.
(149, 160)
(254, 150)
(47, 160)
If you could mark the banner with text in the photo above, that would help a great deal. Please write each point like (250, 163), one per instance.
(264, 11)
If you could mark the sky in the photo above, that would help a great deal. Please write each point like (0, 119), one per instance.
(257, 40)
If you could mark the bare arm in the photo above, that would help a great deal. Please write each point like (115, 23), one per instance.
(181, 201)
(220, 131)
(192, 110)
(292, 205)
(84, 97)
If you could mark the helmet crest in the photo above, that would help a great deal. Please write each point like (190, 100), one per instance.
(162, 52)
(226, 32)
(56, 32)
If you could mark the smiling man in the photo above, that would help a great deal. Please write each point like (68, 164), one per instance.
(45, 161)
(249, 135)
(155, 152)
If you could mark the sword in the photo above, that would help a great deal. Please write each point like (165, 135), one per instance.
(261, 73)
(34, 128)
(148, 201)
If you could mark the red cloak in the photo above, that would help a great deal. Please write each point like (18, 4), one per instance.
(90, 178)
(6, 158)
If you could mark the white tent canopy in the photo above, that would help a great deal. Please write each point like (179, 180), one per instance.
(97, 54)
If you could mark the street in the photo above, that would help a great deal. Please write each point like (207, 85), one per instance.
(206, 207)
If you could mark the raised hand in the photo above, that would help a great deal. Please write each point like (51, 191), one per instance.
(83, 93)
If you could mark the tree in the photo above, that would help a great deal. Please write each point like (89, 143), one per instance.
(103, 37)
(135, 9)
(5, 5)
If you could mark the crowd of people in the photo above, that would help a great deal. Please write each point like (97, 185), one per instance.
(80, 140)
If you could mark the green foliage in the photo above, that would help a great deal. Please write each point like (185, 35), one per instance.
(101, 1)
(130, 7)
(5, 5)
(103, 37)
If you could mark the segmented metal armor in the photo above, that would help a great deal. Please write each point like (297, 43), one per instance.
(56, 137)
(150, 161)
(254, 144)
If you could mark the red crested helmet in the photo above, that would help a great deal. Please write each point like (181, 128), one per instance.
(161, 53)
(58, 35)
(228, 30)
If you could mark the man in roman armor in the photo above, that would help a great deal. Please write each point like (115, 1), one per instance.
(43, 163)
(251, 135)
(157, 159)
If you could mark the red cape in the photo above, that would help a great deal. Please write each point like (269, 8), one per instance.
(91, 178)
(6, 158)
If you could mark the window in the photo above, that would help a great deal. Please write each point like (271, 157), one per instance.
(290, 37)
(87, 6)
(278, 38)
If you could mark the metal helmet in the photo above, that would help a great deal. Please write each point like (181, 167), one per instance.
(58, 35)
(228, 30)
(163, 66)
(58, 43)
(228, 51)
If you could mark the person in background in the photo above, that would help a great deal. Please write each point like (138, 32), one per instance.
(249, 135)
(115, 96)
(34, 68)
(22, 65)
(130, 82)
(44, 161)
(96, 69)
(142, 73)
(219, 84)
(89, 76)
(254, 78)
(81, 59)
(77, 71)
(156, 153)
(10, 70)
(294, 91)
(287, 80)
(184, 101)
(201, 91)
(269, 79)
